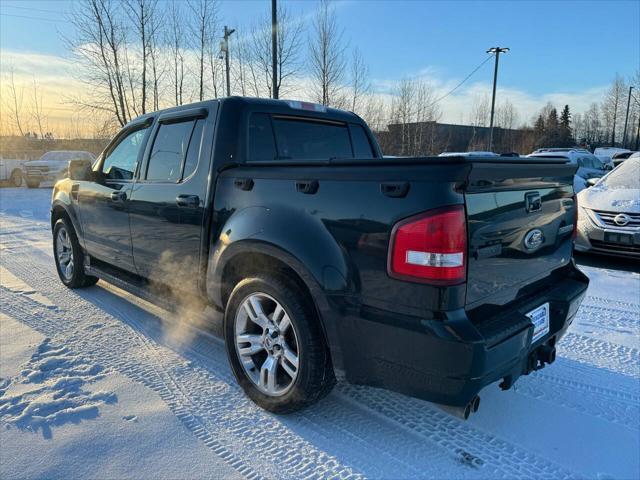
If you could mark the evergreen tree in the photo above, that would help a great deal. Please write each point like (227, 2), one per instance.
(538, 131)
(552, 129)
(566, 134)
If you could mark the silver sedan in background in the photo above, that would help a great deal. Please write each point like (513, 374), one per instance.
(609, 213)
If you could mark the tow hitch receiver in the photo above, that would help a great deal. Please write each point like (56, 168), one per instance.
(541, 356)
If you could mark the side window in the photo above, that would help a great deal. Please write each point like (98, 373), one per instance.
(595, 162)
(311, 140)
(361, 145)
(168, 151)
(120, 163)
(262, 145)
(581, 162)
(193, 152)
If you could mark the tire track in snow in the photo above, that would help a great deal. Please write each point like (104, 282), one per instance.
(496, 457)
(596, 352)
(493, 461)
(595, 401)
(458, 448)
(250, 440)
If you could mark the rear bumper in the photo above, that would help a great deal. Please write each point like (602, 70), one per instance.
(449, 361)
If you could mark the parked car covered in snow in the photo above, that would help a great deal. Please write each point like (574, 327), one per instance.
(620, 157)
(589, 166)
(605, 154)
(431, 276)
(609, 213)
(11, 171)
(52, 166)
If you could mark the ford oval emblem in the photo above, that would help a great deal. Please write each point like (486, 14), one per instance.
(534, 239)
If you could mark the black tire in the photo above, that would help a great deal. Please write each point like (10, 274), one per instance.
(16, 178)
(315, 377)
(77, 278)
(33, 183)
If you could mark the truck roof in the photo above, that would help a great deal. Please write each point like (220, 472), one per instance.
(285, 107)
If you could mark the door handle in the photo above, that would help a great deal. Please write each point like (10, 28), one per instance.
(307, 186)
(188, 201)
(395, 189)
(118, 196)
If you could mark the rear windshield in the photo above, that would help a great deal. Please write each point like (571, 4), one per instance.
(286, 138)
(627, 175)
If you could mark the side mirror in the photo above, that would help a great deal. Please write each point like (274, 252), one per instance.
(592, 181)
(80, 170)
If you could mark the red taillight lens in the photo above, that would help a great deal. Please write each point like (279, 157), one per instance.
(431, 247)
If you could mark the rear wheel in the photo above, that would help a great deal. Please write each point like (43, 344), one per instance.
(16, 178)
(275, 345)
(33, 183)
(69, 257)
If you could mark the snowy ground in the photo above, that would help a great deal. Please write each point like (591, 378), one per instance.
(95, 383)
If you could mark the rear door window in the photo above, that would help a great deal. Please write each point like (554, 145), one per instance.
(262, 144)
(301, 139)
(168, 151)
(361, 145)
(193, 152)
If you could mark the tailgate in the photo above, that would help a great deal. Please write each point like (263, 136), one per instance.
(520, 225)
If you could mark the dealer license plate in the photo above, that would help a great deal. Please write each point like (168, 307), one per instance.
(540, 319)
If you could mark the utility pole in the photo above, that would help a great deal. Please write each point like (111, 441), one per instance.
(274, 47)
(638, 135)
(626, 119)
(497, 51)
(224, 47)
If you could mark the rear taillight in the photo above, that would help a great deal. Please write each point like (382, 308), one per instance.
(430, 247)
(575, 217)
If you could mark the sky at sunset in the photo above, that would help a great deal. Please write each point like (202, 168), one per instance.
(563, 52)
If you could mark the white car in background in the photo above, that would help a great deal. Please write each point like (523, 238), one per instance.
(11, 171)
(52, 166)
(609, 213)
(606, 153)
(589, 166)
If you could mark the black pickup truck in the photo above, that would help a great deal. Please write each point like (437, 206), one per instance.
(431, 276)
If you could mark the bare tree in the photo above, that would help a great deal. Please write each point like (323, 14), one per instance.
(175, 41)
(203, 32)
(141, 14)
(288, 47)
(99, 44)
(480, 111)
(14, 104)
(612, 106)
(37, 112)
(360, 85)
(327, 59)
(415, 112)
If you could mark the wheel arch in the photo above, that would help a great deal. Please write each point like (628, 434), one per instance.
(59, 209)
(247, 257)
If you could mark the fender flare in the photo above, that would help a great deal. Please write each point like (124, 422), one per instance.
(62, 201)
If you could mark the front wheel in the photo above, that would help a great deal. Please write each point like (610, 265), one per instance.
(33, 183)
(69, 257)
(275, 345)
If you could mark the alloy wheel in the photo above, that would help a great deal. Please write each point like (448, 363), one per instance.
(64, 253)
(267, 344)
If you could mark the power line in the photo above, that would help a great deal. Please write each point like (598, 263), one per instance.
(33, 18)
(463, 81)
(30, 8)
